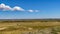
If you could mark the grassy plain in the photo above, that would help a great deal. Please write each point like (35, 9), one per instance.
(29, 27)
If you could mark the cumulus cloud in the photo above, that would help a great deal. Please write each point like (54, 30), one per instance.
(4, 7)
(18, 8)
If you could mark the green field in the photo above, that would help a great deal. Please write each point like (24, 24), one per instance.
(29, 27)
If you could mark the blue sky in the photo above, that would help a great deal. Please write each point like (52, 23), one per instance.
(45, 9)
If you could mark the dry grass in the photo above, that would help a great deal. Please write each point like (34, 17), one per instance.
(25, 27)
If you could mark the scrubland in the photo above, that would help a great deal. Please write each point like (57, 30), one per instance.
(29, 27)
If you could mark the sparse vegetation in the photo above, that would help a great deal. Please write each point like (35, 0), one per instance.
(29, 27)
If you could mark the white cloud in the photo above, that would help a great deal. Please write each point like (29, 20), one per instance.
(18, 8)
(31, 10)
(4, 7)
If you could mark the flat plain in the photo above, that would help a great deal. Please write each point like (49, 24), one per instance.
(29, 27)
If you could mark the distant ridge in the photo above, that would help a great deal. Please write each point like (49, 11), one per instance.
(30, 19)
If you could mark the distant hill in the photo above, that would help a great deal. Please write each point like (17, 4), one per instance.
(29, 19)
